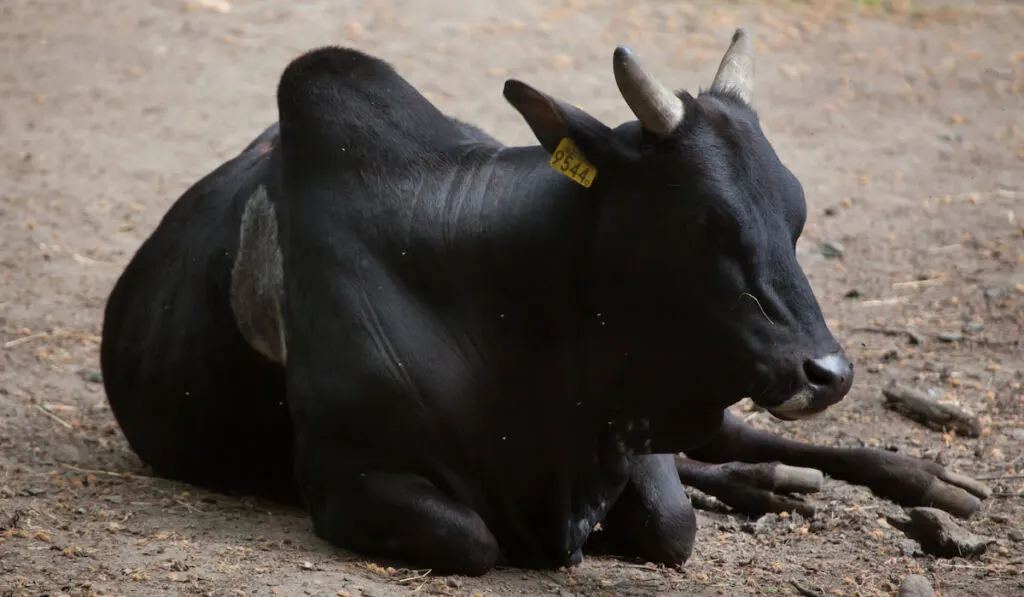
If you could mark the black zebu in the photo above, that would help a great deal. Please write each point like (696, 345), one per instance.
(463, 356)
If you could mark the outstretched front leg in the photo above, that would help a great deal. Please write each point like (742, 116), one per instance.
(905, 480)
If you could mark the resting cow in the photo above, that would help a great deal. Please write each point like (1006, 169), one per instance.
(458, 353)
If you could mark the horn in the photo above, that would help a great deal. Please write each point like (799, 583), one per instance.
(736, 72)
(657, 108)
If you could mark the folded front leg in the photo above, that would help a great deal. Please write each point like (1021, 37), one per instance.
(902, 479)
(403, 516)
(652, 519)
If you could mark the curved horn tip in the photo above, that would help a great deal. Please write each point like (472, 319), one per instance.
(736, 71)
(657, 108)
(622, 53)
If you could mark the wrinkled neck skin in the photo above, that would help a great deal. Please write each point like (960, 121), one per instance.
(538, 234)
(522, 235)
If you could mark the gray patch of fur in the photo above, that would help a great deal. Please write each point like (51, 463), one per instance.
(257, 279)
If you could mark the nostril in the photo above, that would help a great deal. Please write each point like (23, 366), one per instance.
(829, 371)
(817, 374)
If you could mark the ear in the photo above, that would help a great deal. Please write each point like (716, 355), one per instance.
(552, 120)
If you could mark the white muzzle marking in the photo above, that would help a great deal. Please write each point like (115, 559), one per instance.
(798, 406)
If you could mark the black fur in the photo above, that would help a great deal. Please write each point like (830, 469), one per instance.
(480, 352)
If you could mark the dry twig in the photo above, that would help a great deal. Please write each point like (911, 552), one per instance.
(918, 407)
(882, 331)
(918, 283)
(191, 509)
(804, 590)
(105, 473)
(43, 410)
(912, 335)
(417, 576)
(53, 334)
(998, 477)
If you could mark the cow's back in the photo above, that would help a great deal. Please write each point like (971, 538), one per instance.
(194, 400)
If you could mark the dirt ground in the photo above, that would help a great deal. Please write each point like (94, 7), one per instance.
(902, 120)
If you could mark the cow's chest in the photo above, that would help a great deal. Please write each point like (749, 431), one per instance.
(557, 512)
(594, 501)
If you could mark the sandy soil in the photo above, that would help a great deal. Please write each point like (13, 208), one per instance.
(902, 120)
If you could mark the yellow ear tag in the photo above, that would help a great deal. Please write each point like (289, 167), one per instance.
(569, 160)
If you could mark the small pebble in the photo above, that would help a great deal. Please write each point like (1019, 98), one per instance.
(891, 354)
(999, 73)
(91, 375)
(973, 328)
(916, 585)
(948, 337)
(819, 526)
(761, 525)
(940, 535)
(908, 547)
(832, 250)
(729, 525)
(1015, 536)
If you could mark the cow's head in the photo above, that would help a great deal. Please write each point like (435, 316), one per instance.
(695, 243)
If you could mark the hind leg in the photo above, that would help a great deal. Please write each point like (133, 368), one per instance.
(194, 401)
(221, 424)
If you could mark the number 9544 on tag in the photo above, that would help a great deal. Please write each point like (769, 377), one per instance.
(569, 160)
